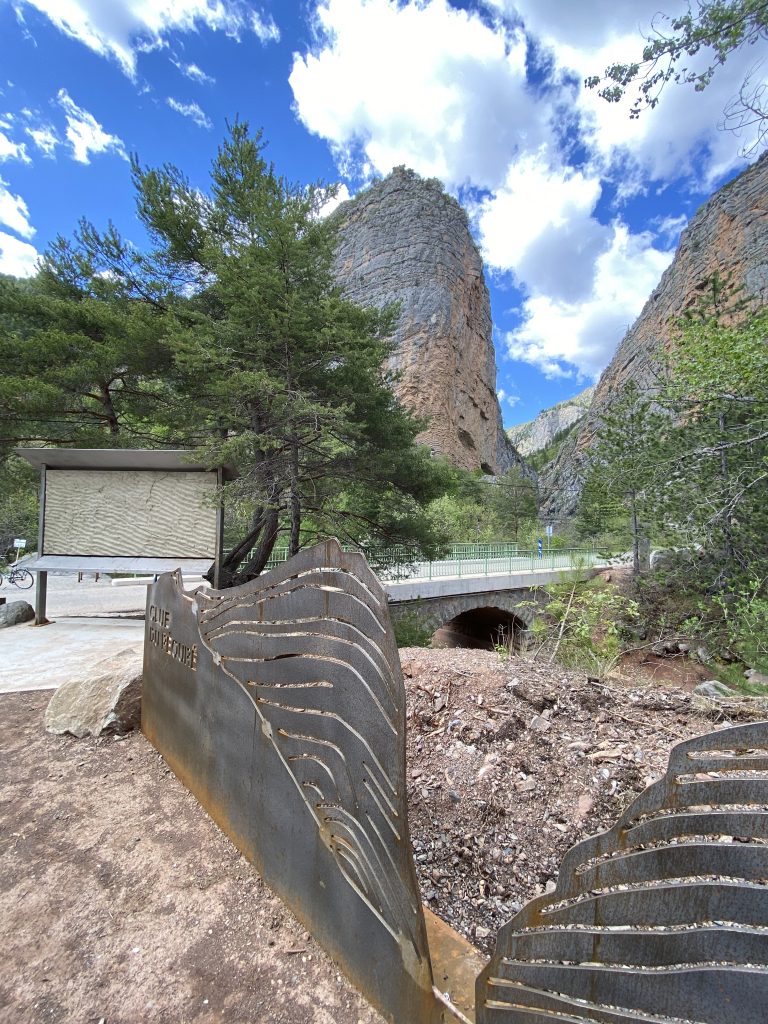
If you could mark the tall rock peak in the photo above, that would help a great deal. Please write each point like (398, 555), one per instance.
(404, 240)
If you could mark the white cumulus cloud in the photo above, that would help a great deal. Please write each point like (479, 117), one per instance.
(195, 73)
(539, 224)
(264, 27)
(85, 134)
(681, 136)
(45, 138)
(16, 257)
(10, 150)
(121, 28)
(14, 213)
(559, 335)
(191, 110)
(421, 84)
(490, 99)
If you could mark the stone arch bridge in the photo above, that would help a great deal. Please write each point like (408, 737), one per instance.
(474, 611)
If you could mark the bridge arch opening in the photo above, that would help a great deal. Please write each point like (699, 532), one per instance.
(482, 629)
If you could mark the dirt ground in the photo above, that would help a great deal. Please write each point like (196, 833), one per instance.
(122, 902)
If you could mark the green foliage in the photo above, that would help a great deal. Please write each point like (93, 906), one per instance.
(83, 363)
(511, 500)
(625, 469)
(718, 28)
(410, 630)
(18, 506)
(584, 625)
(717, 454)
(479, 510)
(228, 334)
(734, 624)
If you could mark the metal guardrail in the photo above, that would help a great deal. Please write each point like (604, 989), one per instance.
(468, 560)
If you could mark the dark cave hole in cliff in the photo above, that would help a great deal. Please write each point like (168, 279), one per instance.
(481, 629)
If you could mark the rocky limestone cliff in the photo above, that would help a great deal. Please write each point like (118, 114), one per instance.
(405, 240)
(728, 234)
(536, 434)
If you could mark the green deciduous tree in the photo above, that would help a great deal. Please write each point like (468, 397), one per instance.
(718, 452)
(715, 28)
(512, 500)
(625, 470)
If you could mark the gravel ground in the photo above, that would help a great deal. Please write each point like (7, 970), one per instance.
(511, 763)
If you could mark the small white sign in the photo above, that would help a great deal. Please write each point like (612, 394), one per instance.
(19, 543)
(549, 531)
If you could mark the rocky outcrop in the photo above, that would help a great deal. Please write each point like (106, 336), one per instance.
(536, 434)
(404, 240)
(727, 235)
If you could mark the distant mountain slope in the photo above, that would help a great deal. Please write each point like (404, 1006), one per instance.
(537, 434)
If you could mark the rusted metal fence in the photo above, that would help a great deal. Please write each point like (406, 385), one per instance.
(281, 705)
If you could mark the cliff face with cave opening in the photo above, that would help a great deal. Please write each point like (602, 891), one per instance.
(727, 235)
(404, 240)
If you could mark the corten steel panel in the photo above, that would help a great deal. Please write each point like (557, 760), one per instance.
(281, 705)
(662, 918)
(142, 513)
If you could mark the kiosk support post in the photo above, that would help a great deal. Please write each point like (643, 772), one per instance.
(41, 590)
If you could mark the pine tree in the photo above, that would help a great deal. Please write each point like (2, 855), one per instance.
(83, 363)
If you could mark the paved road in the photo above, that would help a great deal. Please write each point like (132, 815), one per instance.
(43, 657)
(89, 621)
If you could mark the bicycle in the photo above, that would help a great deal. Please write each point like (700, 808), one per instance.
(17, 577)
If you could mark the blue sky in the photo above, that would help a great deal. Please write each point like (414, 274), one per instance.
(576, 208)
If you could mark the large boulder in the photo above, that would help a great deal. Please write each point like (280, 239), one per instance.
(106, 699)
(14, 612)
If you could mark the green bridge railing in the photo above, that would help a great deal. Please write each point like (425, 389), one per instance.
(399, 563)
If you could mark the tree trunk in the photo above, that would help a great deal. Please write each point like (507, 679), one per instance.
(258, 560)
(724, 472)
(262, 540)
(635, 540)
(295, 538)
(109, 410)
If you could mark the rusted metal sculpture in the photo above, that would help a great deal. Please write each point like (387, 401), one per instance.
(664, 917)
(281, 705)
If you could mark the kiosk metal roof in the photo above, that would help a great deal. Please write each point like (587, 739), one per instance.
(159, 459)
